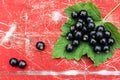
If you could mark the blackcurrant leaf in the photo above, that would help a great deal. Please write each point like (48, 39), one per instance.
(88, 6)
(66, 27)
(85, 48)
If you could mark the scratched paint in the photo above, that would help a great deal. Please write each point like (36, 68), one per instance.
(41, 20)
(56, 16)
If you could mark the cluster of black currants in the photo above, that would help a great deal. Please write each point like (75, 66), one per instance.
(21, 63)
(84, 30)
(15, 63)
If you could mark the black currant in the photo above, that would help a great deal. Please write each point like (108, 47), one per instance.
(22, 64)
(103, 41)
(72, 28)
(78, 35)
(79, 25)
(92, 42)
(69, 36)
(90, 26)
(85, 37)
(97, 49)
(107, 34)
(92, 34)
(84, 29)
(111, 41)
(89, 19)
(99, 35)
(74, 14)
(75, 43)
(80, 20)
(69, 48)
(83, 14)
(40, 45)
(106, 48)
(13, 62)
(100, 28)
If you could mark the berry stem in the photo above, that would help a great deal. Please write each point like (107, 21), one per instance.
(111, 11)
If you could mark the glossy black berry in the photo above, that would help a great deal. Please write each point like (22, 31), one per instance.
(90, 26)
(103, 41)
(22, 64)
(40, 45)
(92, 34)
(78, 35)
(84, 29)
(72, 28)
(111, 41)
(69, 36)
(83, 14)
(97, 49)
(13, 62)
(100, 28)
(80, 20)
(79, 25)
(89, 19)
(99, 35)
(75, 43)
(69, 48)
(107, 34)
(74, 14)
(106, 48)
(85, 37)
(92, 42)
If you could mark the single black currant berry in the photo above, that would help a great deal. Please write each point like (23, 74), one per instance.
(89, 19)
(75, 43)
(100, 28)
(90, 26)
(13, 62)
(99, 35)
(74, 14)
(103, 41)
(22, 64)
(72, 28)
(92, 42)
(85, 37)
(79, 25)
(83, 14)
(107, 34)
(78, 35)
(111, 41)
(92, 34)
(106, 48)
(40, 45)
(80, 20)
(84, 29)
(69, 48)
(97, 49)
(69, 36)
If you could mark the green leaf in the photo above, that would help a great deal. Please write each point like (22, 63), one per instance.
(88, 6)
(84, 48)
(66, 27)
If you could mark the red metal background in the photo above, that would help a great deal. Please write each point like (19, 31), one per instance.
(24, 22)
